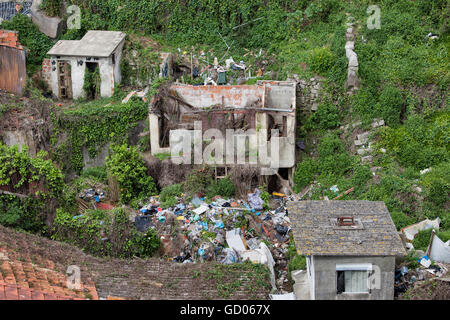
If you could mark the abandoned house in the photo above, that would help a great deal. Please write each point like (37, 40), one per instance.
(259, 109)
(13, 72)
(98, 52)
(350, 249)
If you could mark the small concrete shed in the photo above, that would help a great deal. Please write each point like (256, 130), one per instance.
(70, 58)
(350, 249)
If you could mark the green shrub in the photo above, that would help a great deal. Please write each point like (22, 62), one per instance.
(401, 220)
(438, 193)
(96, 172)
(197, 181)
(304, 173)
(326, 117)
(37, 43)
(321, 60)
(222, 187)
(51, 7)
(334, 160)
(37, 179)
(361, 175)
(168, 194)
(422, 239)
(105, 234)
(127, 166)
(390, 105)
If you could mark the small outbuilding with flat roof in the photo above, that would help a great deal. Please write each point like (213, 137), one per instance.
(350, 248)
(98, 52)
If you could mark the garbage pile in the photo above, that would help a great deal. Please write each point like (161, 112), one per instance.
(433, 263)
(224, 230)
(405, 278)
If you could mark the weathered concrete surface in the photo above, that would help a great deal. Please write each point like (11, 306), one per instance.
(325, 278)
(207, 96)
(94, 44)
(51, 26)
(98, 160)
(20, 138)
(301, 287)
(107, 58)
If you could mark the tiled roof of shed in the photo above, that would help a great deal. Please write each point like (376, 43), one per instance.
(316, 231)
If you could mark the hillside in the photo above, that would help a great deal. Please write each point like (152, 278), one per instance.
(381, 127)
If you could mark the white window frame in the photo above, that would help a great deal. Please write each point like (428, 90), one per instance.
(354, 267)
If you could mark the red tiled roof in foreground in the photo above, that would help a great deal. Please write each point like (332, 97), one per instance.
(37, 280)
(15, 292)
(10, 39)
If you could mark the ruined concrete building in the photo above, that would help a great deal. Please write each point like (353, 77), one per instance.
(70, 59)
(350, 249)
(252, 111)
(13, 72)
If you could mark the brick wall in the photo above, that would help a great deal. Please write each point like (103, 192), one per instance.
(10, 39)
(46, 72)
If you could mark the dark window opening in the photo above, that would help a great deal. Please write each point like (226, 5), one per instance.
(113, 58)
(92, 80)
(340, 281)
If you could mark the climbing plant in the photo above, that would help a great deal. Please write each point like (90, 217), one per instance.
(92, 125)
(127, 166)
(34, 183)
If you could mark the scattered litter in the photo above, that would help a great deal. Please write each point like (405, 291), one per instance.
(223, 230)
(234, 240)
(286, 296)
(411, 231)
(438, 249)
(255, 200)
(425, 261)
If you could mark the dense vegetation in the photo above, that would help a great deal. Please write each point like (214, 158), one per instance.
(405, 76)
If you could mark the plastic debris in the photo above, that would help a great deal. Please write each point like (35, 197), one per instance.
(411, 231)
(255, 200)
(197, 231)
(234, 240)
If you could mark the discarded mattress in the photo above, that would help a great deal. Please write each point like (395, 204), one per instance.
(411, 231)
(440, 250)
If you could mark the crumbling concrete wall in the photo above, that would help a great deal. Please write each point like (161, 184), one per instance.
(51, 26)
(325, 278)
(231, 96)
(271, 99)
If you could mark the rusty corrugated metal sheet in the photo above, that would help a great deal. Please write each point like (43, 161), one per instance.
(13, 72)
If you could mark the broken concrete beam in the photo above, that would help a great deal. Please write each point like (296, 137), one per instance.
(366, 159)
(377, 123)
(363, 137)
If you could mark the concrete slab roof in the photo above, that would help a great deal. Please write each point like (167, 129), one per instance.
(317, 232)
(95, 43)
